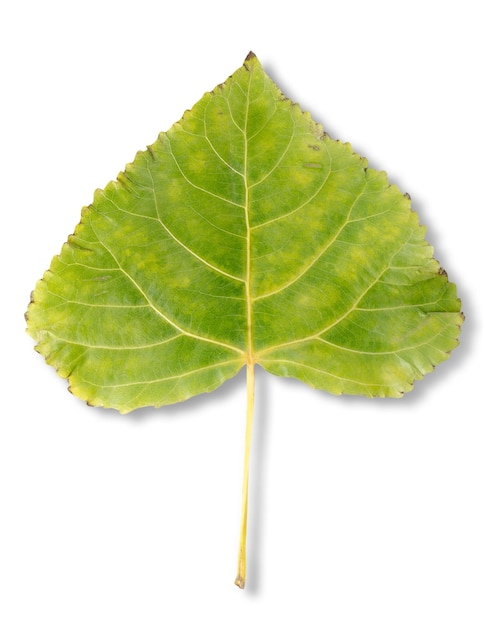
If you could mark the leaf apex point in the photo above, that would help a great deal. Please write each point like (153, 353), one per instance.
(251, 62)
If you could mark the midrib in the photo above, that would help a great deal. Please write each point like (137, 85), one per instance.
(249, 299)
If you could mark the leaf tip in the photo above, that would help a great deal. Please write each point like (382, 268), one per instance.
(251, 61)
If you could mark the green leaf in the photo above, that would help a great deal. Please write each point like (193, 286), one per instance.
(244, 235)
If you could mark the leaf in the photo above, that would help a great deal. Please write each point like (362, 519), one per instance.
(244, 235)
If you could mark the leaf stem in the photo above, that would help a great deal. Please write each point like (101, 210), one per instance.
(241, 567)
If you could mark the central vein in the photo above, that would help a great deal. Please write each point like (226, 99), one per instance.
(249, 301)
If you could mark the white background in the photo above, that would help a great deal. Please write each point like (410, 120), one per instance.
(362, 511)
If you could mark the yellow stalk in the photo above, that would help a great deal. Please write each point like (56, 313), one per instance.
(241, 566)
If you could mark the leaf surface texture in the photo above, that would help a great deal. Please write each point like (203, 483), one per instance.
(244, 234)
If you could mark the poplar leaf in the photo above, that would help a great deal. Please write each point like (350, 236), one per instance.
(244, 235)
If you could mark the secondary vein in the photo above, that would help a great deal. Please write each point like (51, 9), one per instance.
(159, 312)
(181, 243)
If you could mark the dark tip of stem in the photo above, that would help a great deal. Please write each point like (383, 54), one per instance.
(240, 582)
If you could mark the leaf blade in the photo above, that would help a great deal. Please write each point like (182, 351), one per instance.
(244, 234)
